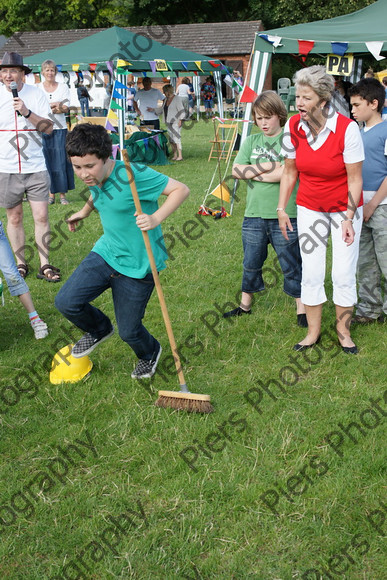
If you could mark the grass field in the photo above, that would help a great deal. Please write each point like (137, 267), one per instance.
(283, 481)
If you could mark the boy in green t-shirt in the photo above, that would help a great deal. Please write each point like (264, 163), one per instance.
(118, 260)
(259, 161)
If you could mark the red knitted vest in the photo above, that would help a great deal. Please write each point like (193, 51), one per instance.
(323, 182)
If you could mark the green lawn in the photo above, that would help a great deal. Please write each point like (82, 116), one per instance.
(283, 481)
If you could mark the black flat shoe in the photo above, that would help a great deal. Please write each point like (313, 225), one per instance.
(236, 312)
(302, 321)
(349, 349)
(300, 347)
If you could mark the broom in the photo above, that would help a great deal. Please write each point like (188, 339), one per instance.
(182, 400)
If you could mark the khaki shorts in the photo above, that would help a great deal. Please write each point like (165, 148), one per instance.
(13, 186)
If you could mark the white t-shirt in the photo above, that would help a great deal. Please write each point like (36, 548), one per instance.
(183, 90)
(60, 95)
(145, 99)
(20, 142)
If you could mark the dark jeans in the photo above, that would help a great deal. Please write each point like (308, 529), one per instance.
(257, 234)
(130, 298)
(85, 110)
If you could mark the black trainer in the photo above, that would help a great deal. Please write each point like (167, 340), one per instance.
(236, 312)
(88, 343)
(145, 369)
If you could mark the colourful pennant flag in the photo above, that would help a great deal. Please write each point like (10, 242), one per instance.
(152, 64)
(109, 66)
(304, 48)
(222, 191)
(157, 140)
(170, 65)
(118, 85)
(93, 66)
(214, 64)
(375, 46)
(114, 105)
(59, 67)
(121, 62)
(112, 115)
(339, 48)
(236, 85)
(75, 67)
(199, 64)
(109, 127)
(274, 40)
(123, 71)
(117, 95)
(248, 95)
(115, 150)
(185, 65)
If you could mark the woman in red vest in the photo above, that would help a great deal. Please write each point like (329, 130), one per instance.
(324, 150)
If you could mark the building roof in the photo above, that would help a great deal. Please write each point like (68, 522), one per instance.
(210, 39)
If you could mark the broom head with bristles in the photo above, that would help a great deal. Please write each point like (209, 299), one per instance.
(191, 402)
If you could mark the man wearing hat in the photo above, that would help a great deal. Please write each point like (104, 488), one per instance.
(22, 167)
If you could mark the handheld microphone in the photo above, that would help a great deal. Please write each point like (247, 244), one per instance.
(13, 87)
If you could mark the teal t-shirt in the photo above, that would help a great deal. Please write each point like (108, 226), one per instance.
(122, 244)
(262, 198)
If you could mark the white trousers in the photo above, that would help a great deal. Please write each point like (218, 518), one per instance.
(314, 229)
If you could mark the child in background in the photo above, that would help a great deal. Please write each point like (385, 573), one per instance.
(367, 101)
(17, 285)
(259, 162)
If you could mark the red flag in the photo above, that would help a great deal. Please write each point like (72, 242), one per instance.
(92, 66)
(248, 95)
(214, 64)
(304, 48)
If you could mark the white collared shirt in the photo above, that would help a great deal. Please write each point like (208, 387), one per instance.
(353, 144)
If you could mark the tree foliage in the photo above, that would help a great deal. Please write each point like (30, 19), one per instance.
(23, 15)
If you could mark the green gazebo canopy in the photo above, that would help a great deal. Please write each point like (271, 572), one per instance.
(119, 46)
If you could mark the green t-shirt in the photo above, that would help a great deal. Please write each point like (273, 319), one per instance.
(262, 198)
(122, 244)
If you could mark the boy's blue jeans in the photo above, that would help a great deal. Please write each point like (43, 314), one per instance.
(257, 234)
(130, 298)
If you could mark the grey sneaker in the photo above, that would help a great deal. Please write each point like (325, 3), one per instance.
(40, 329)
(88, 343)
(145, 369)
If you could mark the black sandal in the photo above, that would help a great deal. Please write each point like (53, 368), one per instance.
(23, 270)
(49, 273)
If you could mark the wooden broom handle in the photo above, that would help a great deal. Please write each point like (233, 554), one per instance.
(155, 273)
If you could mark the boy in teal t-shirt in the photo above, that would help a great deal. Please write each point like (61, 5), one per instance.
(259, 161)
(118, 259)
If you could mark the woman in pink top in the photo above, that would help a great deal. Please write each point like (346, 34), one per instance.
(324, 150)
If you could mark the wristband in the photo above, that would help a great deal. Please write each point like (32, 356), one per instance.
(28, 114)
(280, 209)
(347, 220)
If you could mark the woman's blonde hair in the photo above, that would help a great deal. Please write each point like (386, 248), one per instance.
(269, 103)
(48, 63)
(168, 90)
(317, 79)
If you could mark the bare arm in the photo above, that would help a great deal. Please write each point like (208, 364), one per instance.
(83, 213)
(41, 123)
(269, 171)
(176, 193)
(288, 181)
(379, 196)
(355, 183)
